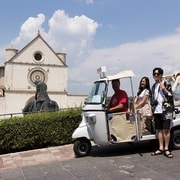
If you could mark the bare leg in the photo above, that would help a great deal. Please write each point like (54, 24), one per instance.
(160, 139)
(161, 143)
(166, 134)
(142, 123)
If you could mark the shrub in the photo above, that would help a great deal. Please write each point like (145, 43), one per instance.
(38, 130)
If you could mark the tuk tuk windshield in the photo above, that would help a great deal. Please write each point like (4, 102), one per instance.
(97, 93)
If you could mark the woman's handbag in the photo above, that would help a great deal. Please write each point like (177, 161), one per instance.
(146, 110)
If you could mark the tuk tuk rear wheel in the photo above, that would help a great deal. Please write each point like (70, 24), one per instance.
(175, 139)
(82, 147)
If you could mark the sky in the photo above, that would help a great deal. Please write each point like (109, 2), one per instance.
(136, 35)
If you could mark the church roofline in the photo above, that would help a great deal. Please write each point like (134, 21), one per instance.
(31, 42)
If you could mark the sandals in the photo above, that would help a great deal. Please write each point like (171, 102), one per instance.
(157, 152)
(168, 154)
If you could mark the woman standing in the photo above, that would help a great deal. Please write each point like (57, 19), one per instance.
(142, 104)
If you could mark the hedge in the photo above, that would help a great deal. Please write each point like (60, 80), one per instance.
(38, 130)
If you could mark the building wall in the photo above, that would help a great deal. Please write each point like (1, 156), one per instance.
(17, 77)
(15, 102)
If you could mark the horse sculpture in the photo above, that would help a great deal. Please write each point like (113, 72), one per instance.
(42, 102)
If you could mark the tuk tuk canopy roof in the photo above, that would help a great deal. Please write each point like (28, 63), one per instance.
(120, 75)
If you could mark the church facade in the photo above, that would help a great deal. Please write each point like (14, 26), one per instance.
(36, 61)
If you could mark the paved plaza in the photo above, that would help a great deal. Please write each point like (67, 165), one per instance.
(122, 161)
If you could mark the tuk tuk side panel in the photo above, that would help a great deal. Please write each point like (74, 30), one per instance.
(82, 131)
(175, 122)
(122, 129)
(97, 126)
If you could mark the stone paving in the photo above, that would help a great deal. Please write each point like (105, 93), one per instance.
(123, 161)
(38, 156)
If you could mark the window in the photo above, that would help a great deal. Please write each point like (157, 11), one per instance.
(38, 57)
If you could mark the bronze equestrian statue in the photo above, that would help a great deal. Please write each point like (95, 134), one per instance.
(42, 102)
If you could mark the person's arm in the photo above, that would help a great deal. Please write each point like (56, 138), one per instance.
(143, 102)
(121, 106)
(115, 108)
(162, 86)
(165, 90)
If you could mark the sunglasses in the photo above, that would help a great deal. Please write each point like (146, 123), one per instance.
(156, 74)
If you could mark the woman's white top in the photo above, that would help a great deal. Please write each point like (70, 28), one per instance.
(142, 94)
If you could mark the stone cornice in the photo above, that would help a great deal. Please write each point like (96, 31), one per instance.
(33, 64)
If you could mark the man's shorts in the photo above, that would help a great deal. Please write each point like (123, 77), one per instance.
(161, 122)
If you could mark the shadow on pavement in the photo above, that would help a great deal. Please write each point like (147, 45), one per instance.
(121, 149)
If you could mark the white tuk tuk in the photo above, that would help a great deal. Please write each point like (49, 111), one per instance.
(97, 125)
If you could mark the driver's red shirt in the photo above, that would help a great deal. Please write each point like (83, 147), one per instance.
(120, 97)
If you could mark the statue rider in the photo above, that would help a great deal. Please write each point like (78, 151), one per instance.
(41, 94)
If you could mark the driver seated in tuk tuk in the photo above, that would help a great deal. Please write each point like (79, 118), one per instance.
(119, 100)
(118, 103)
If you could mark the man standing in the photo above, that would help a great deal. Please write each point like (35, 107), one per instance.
(162, 102)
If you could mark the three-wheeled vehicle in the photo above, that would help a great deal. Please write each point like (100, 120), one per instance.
(98, 126)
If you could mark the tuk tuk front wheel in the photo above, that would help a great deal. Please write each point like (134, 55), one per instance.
(82, 147)
(175, 139)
